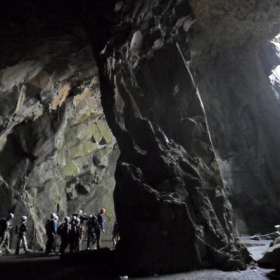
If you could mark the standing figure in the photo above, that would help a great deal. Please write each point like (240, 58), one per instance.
(83, 217)
(64, 232)
(101, 222)
(51, 228)
(92, 226)
(115, 234)
(75, 235)
(22, 229)
(5, 227)
(72, 232)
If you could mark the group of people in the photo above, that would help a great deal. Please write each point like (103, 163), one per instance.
(72, 231)
(6, 226)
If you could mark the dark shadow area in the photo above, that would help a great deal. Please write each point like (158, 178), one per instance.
(95, 264)
(273, 275)
(100, 264)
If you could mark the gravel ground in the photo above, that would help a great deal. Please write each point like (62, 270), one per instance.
(256, 248)
(250, 274)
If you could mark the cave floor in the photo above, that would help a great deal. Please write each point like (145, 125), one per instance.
(39, 266)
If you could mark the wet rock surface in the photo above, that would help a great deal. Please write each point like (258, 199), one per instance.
(168, 185)
(240, 104)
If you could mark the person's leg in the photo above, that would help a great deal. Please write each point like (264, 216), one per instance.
(48, 247)
(71, 244)
(67, 242)
(18, 246)
(114, 239)
(50, 243)
(98, 239)
(8, 251)
(54, 243)
(93, 240)
(25, 247)
(63, 245)
(88, 240)
(2, 241)
(80, 242)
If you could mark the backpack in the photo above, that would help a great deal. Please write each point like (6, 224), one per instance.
(48, 226)
(3, 225)
(94, 223)
(60, 229)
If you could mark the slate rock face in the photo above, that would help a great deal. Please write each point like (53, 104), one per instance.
(271, 257)
(57, 151)
(170, 200)
(232, 60)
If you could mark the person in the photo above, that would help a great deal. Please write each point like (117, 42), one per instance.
(83, 217)
(92, 225)
(5, 227)
(101, 228)
(64, 232)
(275, 236)
(51, 229)
(115, 233)
(76, 233)
(22, 229)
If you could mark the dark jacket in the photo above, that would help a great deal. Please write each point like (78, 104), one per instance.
(51, 226)
(22, 230)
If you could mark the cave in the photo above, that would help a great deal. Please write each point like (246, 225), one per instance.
(165, 112)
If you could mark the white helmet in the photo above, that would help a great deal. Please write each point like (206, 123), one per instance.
(67, 219)
(53, 215)
(24, 218)
(11, 215)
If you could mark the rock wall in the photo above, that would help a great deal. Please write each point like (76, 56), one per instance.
(232, 73)
(170, 200)
(57, 151)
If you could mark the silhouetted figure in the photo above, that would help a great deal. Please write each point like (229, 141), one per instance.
(92, 227)
(101, 228)
(5, 227)
(76, 233)
(83, 217)
(21, 231)
(64, 232)
(51, 228)
(115, 234)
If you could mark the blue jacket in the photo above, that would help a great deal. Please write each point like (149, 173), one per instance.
(101, 220)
